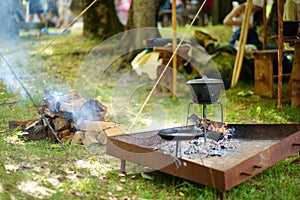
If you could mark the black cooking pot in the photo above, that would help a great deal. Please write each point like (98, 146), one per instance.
(205, 90)
(290, 28)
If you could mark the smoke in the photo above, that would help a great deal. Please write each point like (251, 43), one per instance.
(35, 82)
(8, 78)
(9, 28)
(9, 34)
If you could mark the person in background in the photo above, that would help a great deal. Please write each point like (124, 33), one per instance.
(64, 13)
(19, 12)
(52, 11)
(208, 9)
(36, 8)
(291, 11)
(122, 7)
(238, 13)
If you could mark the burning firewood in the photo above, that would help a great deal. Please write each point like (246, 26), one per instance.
(20, 125)
(74, 119)
(93, 110)
(68, 138)
(102, 137)
(41, 135)
(86, 125)
(90, 138)
(113, 131)
(35, 130)
(64, 133)
(78, 137)
(56, 102)
(212, 127)
(60, 123)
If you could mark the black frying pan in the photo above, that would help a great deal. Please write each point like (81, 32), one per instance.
(179, 134)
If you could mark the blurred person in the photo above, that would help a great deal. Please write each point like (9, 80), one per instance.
(122, 7)
(52, 11)
(19, 12)
(36, 8)
(64, 13)
(238, 13)
(238, 18)
(291, 11)
(208, 9)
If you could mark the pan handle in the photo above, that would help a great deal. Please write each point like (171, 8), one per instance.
(255, 168)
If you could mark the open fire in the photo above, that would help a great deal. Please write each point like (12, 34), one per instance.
(190, 141)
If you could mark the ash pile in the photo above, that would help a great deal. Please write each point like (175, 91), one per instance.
(74, 119)
(198, 148)
(213, 139)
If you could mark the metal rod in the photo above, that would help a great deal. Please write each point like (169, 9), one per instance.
(174, 74)
(188, 114)
(204, 120)
(123, 166)
(222, 115)
(31, 99)
(265, 25)
(178, 149)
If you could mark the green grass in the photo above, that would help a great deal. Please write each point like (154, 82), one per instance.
(40, 169)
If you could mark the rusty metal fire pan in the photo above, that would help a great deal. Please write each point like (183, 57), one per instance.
(261, 147)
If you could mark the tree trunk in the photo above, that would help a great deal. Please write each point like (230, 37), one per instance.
(101, 19)
(9, 28)
(142, 14)
(145, 13)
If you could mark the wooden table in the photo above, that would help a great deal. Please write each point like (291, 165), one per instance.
(263, 70)
(167, 79)
(293, 91)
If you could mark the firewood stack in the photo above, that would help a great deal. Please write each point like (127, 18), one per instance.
(74, 119)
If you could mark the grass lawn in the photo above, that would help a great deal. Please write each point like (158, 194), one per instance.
(42, 170)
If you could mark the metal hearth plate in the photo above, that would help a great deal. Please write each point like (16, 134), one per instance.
(261, 146)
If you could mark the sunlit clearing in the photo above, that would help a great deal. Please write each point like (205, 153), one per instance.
(31, 188)
(1, 188)
(48, 51)
(13, 140)
(94, 168)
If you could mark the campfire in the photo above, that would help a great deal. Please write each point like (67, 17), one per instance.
(208, 152)
(74, 119)
(189, 140)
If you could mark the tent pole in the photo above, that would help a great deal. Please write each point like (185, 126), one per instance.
(243, 39)
(280, 49)
(265, 25)
(174, 80)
